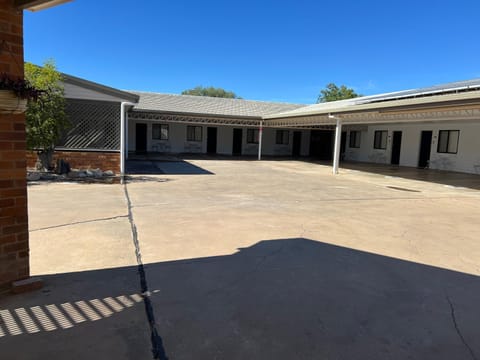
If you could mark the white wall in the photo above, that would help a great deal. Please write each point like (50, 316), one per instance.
(467, 158)
(177, 143)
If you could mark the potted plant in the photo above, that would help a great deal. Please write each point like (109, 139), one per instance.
(14, 94)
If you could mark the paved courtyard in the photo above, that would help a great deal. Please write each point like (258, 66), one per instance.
(252, 260)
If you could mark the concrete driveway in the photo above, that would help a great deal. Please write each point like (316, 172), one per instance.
(252, 260)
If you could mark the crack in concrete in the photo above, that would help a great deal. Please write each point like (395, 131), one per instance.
(80, 222)
(457, 329)
(158, 350)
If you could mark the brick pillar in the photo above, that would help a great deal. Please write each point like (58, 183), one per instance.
(14, 253)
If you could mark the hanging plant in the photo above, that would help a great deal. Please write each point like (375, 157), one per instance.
(15, 93)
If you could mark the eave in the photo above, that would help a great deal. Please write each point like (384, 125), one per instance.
(37, 5)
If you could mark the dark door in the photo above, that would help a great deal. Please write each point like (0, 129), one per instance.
(321, 144)
(343, 145)
(141, 138)
(396, 145)
(425, 148)
(237, 142)
(297, 142)
(212, 140)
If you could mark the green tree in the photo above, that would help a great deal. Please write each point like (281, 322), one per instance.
(211, 91)
(46, 118)
(333, 93)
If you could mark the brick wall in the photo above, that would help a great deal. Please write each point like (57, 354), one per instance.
(14, 253)
(83, 159)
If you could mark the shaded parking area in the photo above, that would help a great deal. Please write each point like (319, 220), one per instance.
(451, 178)
(258, 260)
(167, 167)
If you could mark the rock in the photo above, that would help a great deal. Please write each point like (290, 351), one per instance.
(74, 174)
(97, 173)
(47, 176)
(109, 173)
(34, 176)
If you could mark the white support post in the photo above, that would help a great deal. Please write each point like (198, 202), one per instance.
(338, 140)
(126, 136)
(122, 139)
(260, 136)
(123, 117)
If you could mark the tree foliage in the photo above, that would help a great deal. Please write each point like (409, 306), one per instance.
(46, 118)
(333, 93)
(211, 91)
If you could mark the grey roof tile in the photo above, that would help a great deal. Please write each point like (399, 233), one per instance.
(208, 105)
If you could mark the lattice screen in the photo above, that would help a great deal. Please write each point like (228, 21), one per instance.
(94, 125)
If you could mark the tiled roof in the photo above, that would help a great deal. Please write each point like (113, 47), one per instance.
(189, 104)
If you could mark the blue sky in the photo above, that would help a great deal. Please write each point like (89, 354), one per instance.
(262, 50)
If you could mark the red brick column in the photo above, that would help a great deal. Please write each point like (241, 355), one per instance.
(14, 253)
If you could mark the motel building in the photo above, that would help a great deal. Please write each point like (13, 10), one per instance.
(436, 127)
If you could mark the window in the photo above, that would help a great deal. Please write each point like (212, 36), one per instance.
(159, 132)
(380, 140)
(448, 141)
(354, 139)
(252, 136)
(282, 137)
(194, 133)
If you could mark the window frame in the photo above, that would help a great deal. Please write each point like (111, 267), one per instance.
(379, 146)
(447, 147)
(162, 137)
(283, 136)
(355, 144)
(194, 132)
(253, 136)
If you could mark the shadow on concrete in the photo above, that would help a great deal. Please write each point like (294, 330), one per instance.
(279, 299)
(157, 167)
(448, 178)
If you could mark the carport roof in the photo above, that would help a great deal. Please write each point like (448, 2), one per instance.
(459, 93)
(203, 105)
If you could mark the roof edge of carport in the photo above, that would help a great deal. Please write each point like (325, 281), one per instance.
(436, 102)
(87, 84)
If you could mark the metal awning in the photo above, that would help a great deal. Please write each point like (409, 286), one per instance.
(460, 106)
(379, 117)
